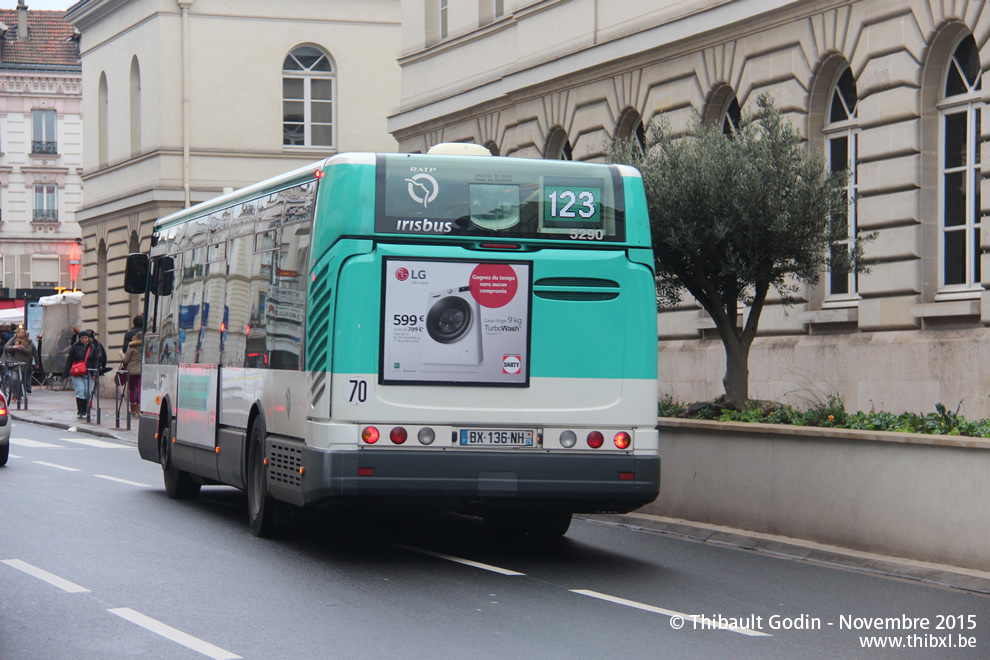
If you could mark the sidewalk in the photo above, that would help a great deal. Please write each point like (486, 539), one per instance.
(57, 408)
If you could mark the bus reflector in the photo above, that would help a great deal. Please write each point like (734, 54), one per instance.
(218, 450)
(568, 439)
(622, 440)
(366, 472)
(397, 435)
(370, 435)
(426, 436)
(627, 476)
(265, 461)
(596, 439)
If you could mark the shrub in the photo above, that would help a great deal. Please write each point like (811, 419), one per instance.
(832, 413)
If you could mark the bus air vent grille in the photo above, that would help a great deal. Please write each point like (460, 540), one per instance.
(577, 282)
(578, 295)
(591, 289)
(318, 320)
(284, 462)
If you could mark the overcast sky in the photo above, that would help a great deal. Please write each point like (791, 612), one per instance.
(39, 4)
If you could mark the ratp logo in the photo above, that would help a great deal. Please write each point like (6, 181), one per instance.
(511, 364)
(423, 188)
(401, 274)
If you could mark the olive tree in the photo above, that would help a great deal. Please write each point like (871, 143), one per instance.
(734, 214)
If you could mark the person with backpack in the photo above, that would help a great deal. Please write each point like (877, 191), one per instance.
(129, 335)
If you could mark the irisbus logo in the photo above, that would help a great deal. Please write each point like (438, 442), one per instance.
(401, 274)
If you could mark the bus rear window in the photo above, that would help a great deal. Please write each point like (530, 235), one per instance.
(516, 198)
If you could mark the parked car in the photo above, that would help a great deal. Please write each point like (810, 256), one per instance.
(4, 430)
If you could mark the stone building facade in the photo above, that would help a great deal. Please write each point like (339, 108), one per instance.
(40, 152)
(891, 90)
(188, 98)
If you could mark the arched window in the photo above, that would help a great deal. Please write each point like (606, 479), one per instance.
(841, 129)
(308, 90)
(731, 117)
(959, 168)
(102, 121)
(631, 126)
(558, 146)
(135, 107)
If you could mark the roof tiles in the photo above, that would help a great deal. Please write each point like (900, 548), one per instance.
(51, 40)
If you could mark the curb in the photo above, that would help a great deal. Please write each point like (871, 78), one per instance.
(939, 575)
(81, 427)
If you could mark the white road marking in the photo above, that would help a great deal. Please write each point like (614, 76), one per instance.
(51, 579)
(689, 619)
(100, 444)
(60, 467)
(34, 444)
(123, 481)
(459, 560)
(170, 633)
(14, 456)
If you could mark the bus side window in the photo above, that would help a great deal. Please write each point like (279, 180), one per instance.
(237, 305)
(167, 323)
(287, 297)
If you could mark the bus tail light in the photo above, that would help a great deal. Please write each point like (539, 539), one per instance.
(622, 440)
(370, 435)
(596, 439)
(426, 436)
(568, 439)
(397, 435)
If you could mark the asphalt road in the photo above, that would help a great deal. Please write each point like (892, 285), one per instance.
(96, 562)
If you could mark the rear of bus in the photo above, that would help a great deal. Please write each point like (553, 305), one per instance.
(488, 331)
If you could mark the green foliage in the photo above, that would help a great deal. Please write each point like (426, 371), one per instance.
(667, 407)
(734, 215)
(832, 413)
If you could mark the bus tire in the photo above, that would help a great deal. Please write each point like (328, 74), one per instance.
(179, 485)
(263, 514)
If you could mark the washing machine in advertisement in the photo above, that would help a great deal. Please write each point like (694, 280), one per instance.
(455, 322)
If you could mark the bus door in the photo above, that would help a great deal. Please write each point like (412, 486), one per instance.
(196, 406)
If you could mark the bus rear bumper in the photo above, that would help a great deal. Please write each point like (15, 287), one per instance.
(474, 480)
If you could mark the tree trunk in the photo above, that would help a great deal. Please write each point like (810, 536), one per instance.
(736, 379)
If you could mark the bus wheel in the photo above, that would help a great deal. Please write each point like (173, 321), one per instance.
(545, 524)
(179, 485)
(262, 508)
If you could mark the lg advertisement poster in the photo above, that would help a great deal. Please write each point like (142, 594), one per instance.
(455, 322)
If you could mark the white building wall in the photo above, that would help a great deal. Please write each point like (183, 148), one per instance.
(236, 52)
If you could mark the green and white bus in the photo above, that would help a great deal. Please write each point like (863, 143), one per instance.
(468, 333)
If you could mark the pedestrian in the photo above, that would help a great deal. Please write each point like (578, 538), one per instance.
(8, 334)
(129, 335)
(131, 361)
(100, 351)
(82, 352)
(21, 349)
